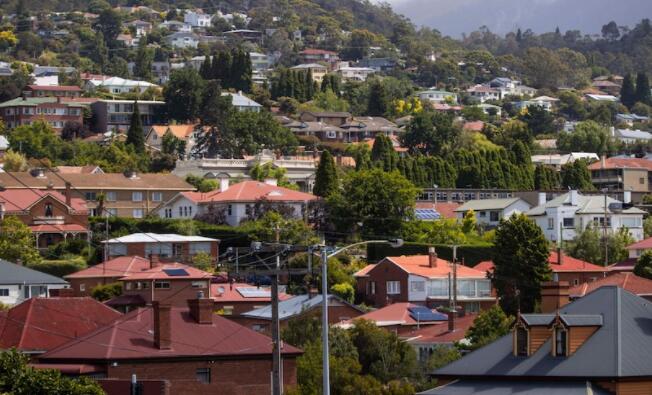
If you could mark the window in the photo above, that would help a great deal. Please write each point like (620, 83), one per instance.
(199, 284)
(157, 196)
(112, 212)
(417, 286)
(393, 287)
(168, 213)
(473, 307)
(521, 342)
(229, 210)
(90, 195)
(4, 292)
(371, 288)
(203, 375)
(48, 210)
(551, 223)
(641, 180)
(569, 222)
(560, 342)
(136, 196)
(227, 310)
(111, 196)
(162, 285)
(599, 221)
(494, 216)
(482, 214)
(137, 213)
(180, 211)
(82, 287)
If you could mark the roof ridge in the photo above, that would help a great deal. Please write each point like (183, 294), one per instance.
(27, 319)
(617, 312)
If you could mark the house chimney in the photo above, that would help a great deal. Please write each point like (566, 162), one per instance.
(574, 197)
(432, 257)
(154, 260)
(162, 325)
(554, 296)
(271, 181)
(627, 196)
(68, 195)
(560, 258)
(603, 161)
(224, 184)
(312, 292)
(542, 198)
(451, 320)
(201, 309)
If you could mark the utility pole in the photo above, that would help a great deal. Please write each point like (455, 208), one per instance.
(604, 222)
(324, 323)
(276, 332)
(454, 277)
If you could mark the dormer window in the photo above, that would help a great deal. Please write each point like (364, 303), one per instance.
(48, 210)
(521, 341)
(561, 342)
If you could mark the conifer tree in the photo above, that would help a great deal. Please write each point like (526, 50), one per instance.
(206, 69)
(628, 91)
(643, 94)
(378, 100)
(326, 181)
(135, 134)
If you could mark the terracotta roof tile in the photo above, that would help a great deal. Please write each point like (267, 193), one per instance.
(118, 267)
(439, 333)
(623, 163)
(144, 181)
(644, 244)
(393, 314)
(568, 264)
(235, 292)
(419, 265)
(250, 191)
(628, 281)
(167, 271)
(21, 199)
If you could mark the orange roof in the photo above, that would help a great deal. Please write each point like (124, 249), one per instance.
(440, 334)
(446, 209)
(419, 265)
(475, 126)
(118, 267)
(250, 191)
(236, 292)
(628, 281)
(568, 264)
(163, 272)
(623, 163)
(364, 271)
(21, 199)
(179, 131)
(644, 244)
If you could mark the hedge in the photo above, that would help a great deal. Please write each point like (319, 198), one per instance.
(59, 268)
(471, 254)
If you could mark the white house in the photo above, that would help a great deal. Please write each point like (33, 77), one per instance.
(558, 160)
(242, 103)
(119, 85)
(629, 136)
(355, 73)
(489, 212)
(482, 93)
(566, 214)
(182, 40)
(18, 283)
(259, 61)
(176, 26)
(437, 96)
(197, 19)
(235, 202)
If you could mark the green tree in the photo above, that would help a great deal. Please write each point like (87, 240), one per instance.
(588, 136)
(17, 242)
(109, 23)
(488, 326)
(380, 210)
(628, 91)
(571, 106)
(546, 178)
(521, 263)
(358, 46)
(473, 113)
(171, 145)
(203, 261)
(344, 291)
(326, 180)
(202, 184)
(576, 175)
(643, 267)
(643, 94)
(469, 223)
(383, 154)
(135, 133)
(587, 246)
(99, 52)
(183, 94)
(143, 61)
(647, 226)
(215, 109)
(106, 292)
(14, 161)
(538, 120)
(442, 355)
(430, 133)
(378, 102)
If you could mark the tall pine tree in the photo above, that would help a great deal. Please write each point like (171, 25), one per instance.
(135, 134)
(326, 181)
(643, 94)
(628, 91)
(378, 101)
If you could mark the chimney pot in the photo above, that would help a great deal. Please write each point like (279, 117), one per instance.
(451, 320)
(162, 325)
(154, 260)
(201, 310)
(542, 198)
(432, 257)
(574, 197)
(554, 296)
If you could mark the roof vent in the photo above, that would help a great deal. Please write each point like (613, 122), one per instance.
(38, 172)
(131, 174)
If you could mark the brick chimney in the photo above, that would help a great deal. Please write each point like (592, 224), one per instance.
(201, 309)
(162, 325)
(560, 256)
(554, 295)
(68, 195)
(154, 260)
(432, 257)
(451, 320)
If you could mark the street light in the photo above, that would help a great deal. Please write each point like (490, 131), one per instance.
(395, 243)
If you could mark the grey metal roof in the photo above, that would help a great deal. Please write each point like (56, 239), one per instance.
(468, 387)
(587, 204)
(581, 319)
(622, 347)
(487, 204)
(291, 307)
(538, 319)
(10, 274)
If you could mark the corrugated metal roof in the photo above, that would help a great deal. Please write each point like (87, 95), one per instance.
(157, 238)
(538, 319)
(468, 387)
(10, 273)
(581, 319)
(487, 204)
(291, 307)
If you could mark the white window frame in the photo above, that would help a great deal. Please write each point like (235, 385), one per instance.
(393, 287)
(136, 196)
(137, 213)
(157, 196)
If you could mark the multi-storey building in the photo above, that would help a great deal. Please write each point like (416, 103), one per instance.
(56, 111)
(116, 114)
(49, 91)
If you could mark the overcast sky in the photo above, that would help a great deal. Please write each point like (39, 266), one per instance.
(454, 17)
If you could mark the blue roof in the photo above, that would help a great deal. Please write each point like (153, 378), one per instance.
(422, 313)
(426, 214)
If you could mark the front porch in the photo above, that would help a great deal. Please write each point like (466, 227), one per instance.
(47, 234)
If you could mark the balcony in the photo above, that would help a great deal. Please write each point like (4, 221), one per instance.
(43, 220)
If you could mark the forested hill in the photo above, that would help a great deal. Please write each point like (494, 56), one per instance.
(318, 15)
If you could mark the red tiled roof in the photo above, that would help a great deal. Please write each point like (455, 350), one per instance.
(628, 281)
(644, 244)
(56, 88)
(229, 293)
(42, 324)
(250, 191)
(161, 272)
(393, 314)
(475, 126)
(623, 163)
(439, 333)
(118, 267)
(568, 264)
(446, 209)
(181, 131)
(58, 228)
(132, 337)
(419, 265)
(20, 199)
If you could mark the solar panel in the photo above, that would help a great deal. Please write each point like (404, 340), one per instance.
(420, 313)
(426, 214)
(254, 292)
(176, 272)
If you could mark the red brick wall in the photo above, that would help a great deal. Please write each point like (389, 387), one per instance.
(575, 278)
(235, 377)
(383, 272)
(177, 295)
(89, 283)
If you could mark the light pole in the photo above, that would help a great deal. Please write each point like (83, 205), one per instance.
(324, 303)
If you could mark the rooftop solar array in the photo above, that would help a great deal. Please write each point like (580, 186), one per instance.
(254, 292)
(426, 214)
(176, 272)
(421, 313)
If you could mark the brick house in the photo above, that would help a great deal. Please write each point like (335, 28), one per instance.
(111, 271)
(128, 195)
(564, 268)
(52, 216)
(299, 307)
(331, 118)
(38, 325)
(172, 283)
(424, 280)
(169, 247)
(630, 282)
(49, 91)
(234, 299)
(116, 114)
(191, 349)
(56, 111)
